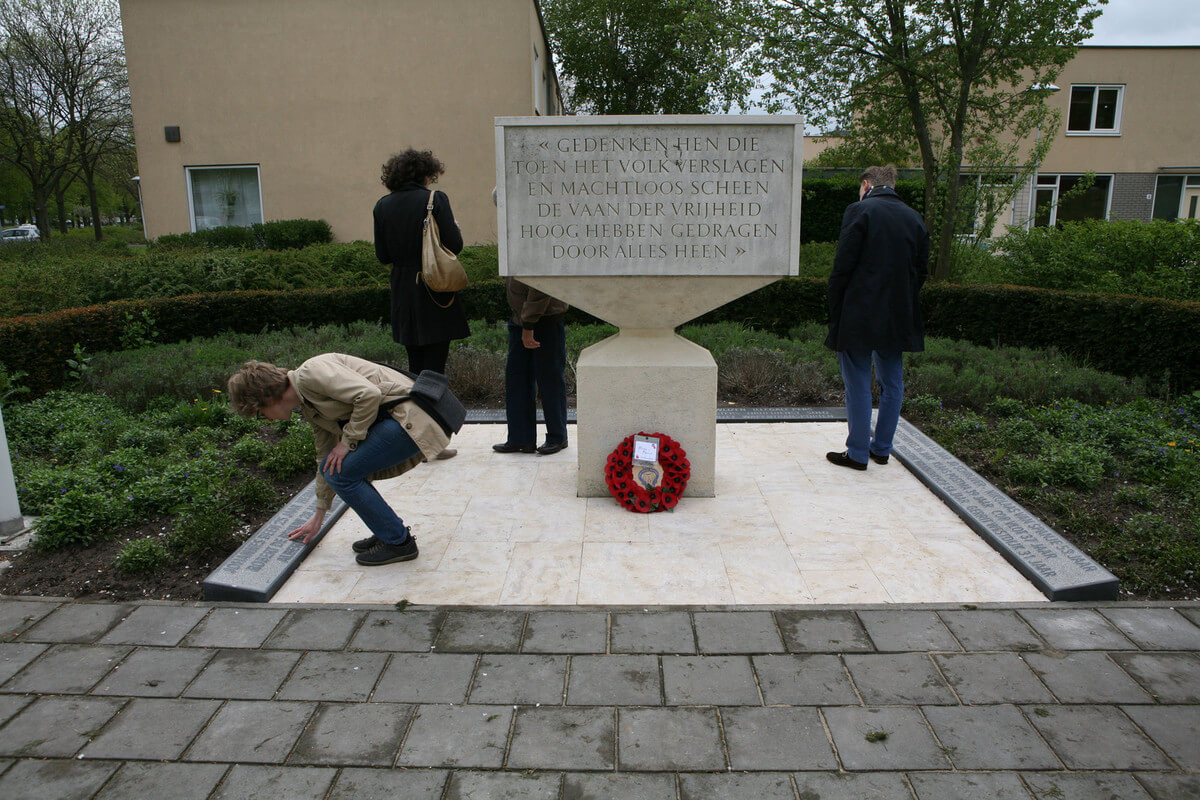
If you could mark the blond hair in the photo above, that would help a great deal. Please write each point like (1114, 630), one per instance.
(255, 385)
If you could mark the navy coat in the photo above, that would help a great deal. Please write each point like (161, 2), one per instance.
(882, 260)
(417, 314)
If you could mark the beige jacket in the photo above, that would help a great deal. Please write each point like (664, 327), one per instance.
(334, 386)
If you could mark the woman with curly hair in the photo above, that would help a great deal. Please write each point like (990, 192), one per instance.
(423, 321)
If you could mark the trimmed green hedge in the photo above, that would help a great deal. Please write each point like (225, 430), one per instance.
(824, 200)
(1132, 336)
(281, 234)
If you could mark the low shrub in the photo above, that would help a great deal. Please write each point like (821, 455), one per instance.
(143, 557)
(202, 529)
(295, 453)
(251, 493)
(275, 235)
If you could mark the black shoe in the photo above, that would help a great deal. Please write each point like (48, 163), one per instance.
(879, 459)
(843, 459)
(384, 553)
(549, 449)
(509, 447)
(363, 545)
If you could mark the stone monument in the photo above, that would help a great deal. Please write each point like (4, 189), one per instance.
(11, 520)
(646, 223)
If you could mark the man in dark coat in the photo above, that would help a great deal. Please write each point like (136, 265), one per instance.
(874, 315)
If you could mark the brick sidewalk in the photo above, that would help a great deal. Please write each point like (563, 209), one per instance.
(149, 700)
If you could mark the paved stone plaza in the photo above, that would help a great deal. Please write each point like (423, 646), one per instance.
(180, 700)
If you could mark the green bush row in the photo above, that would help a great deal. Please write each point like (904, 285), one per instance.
(824, 200)
(1131, 336)
(282, 234)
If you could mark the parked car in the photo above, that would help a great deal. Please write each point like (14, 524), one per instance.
(21, 233)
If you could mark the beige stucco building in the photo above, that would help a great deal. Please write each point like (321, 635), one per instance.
(249, 110)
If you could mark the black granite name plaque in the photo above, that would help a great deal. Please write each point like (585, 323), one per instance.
(260, 566)
(1050, 562)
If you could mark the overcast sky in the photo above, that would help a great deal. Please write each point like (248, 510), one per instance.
(1148, 22)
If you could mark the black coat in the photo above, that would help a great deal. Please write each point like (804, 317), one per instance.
(417, 315)
(882, 260)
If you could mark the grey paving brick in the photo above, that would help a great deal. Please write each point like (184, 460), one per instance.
(1171, 787)
(853, 786)
(520, 679)
(15, 655)
(709, 680)
(294, 783)
(737, 632)
(600, 786)
(362, 734)
(247, 731)
(18, 615)
(156, 729)
(777, 739)
(334, 676)
(77, 622)
(975, 785)
(457, 736)
(426, 678)
(1076, 629)
(884, 739)
(67, 669)
(614, 681)
(804, 680)
(11, 704)
(654, 632)
(991, 629)
(1175, 729)
(137, 781)
(502, 786)
(56, 727)
(154, 672)
(235, 627)
(1156, 628)
(1191, 611)
(898, 678)
(243, 675)
(566, 632)
(1085, 678)
(481, 632)
(669, 739)
(765, 786)
(563, 738)
(155, 625)
(1168, 677)
(1095, 737)
(1084, 786)
(992, 678)
(315, 629)
(357, 783)
(398, 631)
(823, 632)
(906, 630)
(989, 738)
(62, 780)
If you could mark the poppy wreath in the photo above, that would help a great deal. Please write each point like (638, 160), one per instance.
(676, 470)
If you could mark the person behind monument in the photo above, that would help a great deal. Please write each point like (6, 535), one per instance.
(874, 314)
(423, 321)
(357, 442)
(537, 358)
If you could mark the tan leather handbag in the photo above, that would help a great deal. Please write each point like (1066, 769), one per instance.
(441, 271)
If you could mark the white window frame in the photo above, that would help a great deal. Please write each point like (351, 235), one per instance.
(1058, 176)
(1114, 131)
(1190, 181)
(187, 171)
(979, 185)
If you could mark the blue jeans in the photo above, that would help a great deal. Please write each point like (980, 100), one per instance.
(541, 368)
(386, 445)
(856, 375)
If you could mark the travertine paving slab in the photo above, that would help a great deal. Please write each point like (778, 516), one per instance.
(785, 528)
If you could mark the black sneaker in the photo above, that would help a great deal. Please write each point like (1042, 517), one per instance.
(509, 447)
(363, 545)
(879, 459)
(384, 553)
(843, 459)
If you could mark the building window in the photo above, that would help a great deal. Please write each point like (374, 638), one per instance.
(1095, 110)
(220, 196)
(1177, 197)
(1070, 198)
(979, 196)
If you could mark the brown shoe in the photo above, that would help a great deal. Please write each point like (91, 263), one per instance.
(449, 452)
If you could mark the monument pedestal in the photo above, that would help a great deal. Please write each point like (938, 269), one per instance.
(646, 380)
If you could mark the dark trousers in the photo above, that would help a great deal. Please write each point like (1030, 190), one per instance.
(428, 356)
(542, 369)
